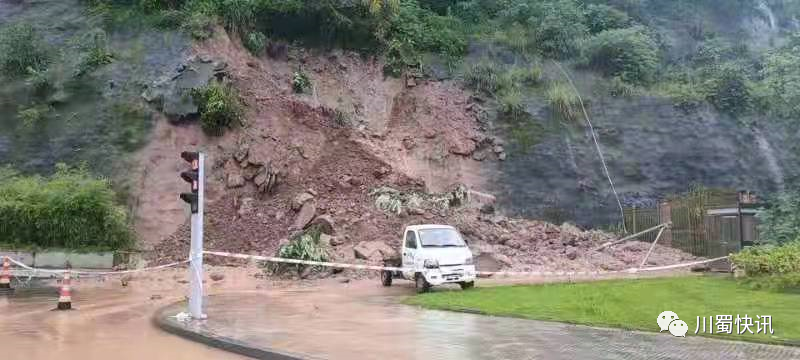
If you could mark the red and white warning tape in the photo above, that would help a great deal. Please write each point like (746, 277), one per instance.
(487, 273)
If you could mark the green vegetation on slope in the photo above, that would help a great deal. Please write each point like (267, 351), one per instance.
(70, 209)
(622, 40)
(631, 304)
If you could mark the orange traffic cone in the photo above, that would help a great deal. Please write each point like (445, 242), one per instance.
(64, 294)
(5, 274)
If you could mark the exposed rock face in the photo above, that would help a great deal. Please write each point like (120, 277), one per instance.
(324, 223)
(174, 93)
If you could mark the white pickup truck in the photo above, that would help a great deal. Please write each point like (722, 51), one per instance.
(432, 255)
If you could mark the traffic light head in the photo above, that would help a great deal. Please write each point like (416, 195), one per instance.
(192, 177)
(193, 158)
(191, 199)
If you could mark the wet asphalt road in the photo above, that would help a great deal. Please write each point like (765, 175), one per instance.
(365, 321)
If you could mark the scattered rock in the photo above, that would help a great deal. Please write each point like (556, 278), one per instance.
(498, 149)
(301, 199)
(241, 154)
(479, 156)
(235, 180)
(381, 172)
(374, 250)
(305, 215)
(324, 223)
(246, 207)
(515, 244)
(409, 143)
(155, 297)
(125, 280)
(416, 211)
(464, 147)
(501, 156)
(344, 281)
(572, 253)
(355, 181)
(335, 241)
(216, 277)
(250, 172)
(312, 192)
(487, 209)
(502, 259)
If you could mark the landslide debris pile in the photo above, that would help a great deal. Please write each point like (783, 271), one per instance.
(531, 245)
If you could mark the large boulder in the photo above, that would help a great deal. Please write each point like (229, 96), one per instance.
(374, 251)
(324, 223)
(305, 215)
(300, 200)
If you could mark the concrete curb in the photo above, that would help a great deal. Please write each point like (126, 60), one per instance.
(164, 319)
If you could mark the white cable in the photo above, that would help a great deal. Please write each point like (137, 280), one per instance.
(96, 273)
(596, 143)
(490, 273)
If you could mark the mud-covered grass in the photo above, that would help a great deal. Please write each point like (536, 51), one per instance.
(634, 304)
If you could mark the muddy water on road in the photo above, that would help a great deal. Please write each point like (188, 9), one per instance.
(111, 322)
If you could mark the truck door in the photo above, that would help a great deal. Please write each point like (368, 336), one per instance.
(409, 252)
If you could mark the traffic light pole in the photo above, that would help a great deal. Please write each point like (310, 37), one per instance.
(196, 253)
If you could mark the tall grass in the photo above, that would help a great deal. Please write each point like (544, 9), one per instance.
(21, 49)
(564, 101)
(70, 209)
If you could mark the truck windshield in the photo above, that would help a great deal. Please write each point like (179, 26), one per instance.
(440, 238)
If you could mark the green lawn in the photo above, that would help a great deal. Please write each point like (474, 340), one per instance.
(632, 304)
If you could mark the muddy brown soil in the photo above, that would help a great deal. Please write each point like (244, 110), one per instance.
(354, 131)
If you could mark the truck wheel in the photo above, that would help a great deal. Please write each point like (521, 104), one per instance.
(467, 285)
(422, 285)
(386, 278)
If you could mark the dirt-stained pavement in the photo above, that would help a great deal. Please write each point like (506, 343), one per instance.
(328, 319)
(365, 321)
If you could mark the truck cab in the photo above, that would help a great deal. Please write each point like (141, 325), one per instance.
(433, 255)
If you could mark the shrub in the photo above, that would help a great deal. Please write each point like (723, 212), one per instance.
(781, 74)
(219, 107)
(70, 209)
(304, 246)
(684, 96)
(21, 48)
(770, 266)
(564, 101)
(238, 15)
(560, 28)
(729, 90)
(95, 52)
(300, 82)
(255, 42)
(780, 223)
(601, 17)
(483, 76)
(33, 115)
(199, 25)
(629, 54)
(511, 105)
(40, 81)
